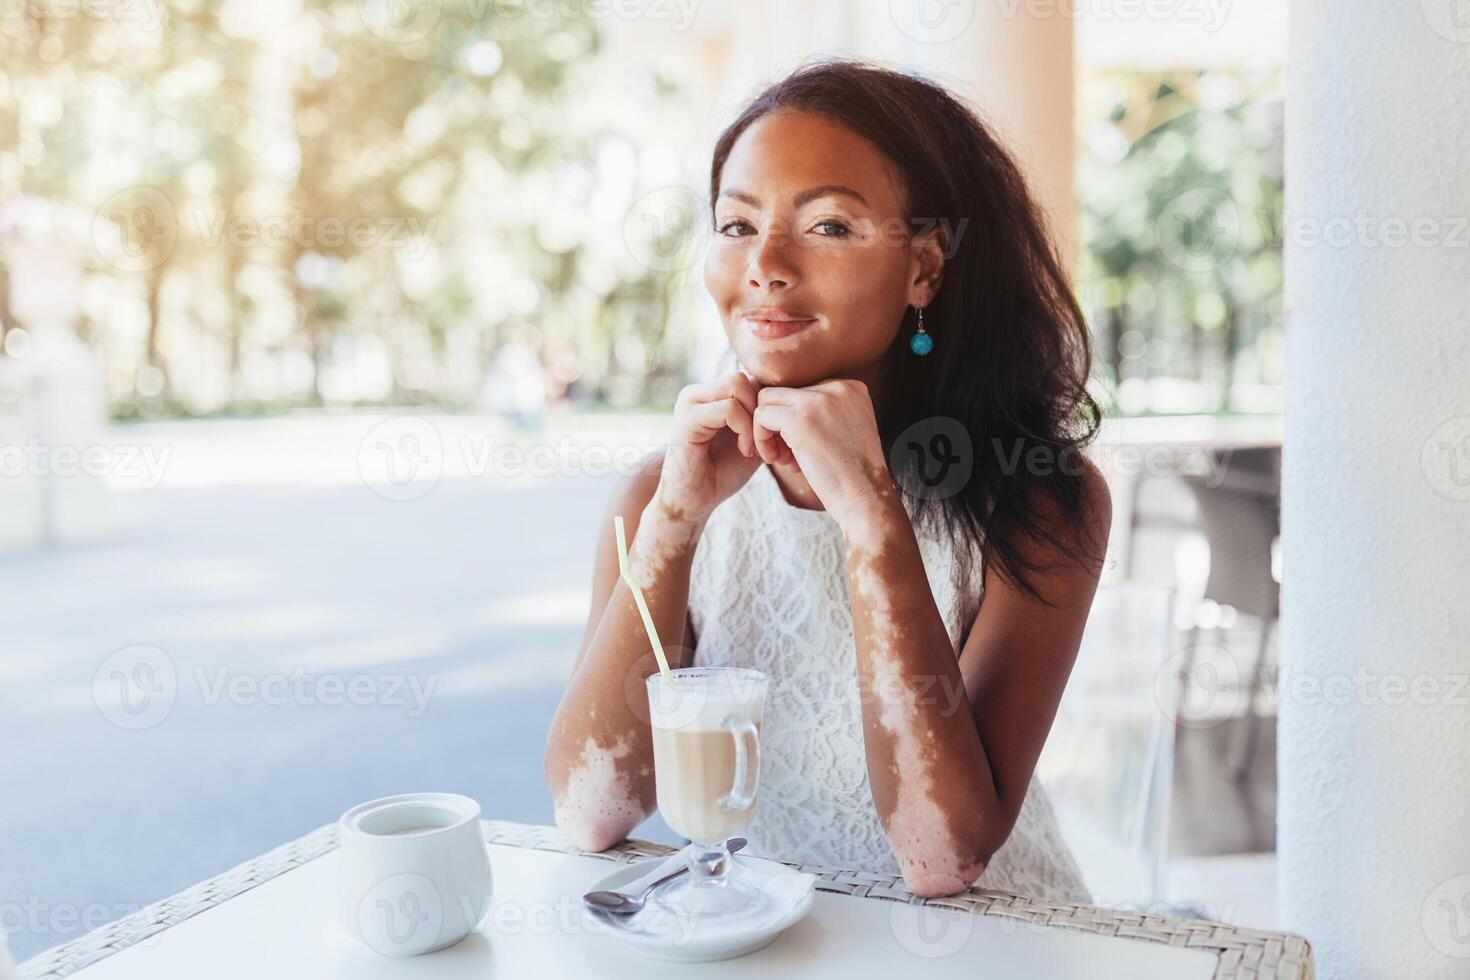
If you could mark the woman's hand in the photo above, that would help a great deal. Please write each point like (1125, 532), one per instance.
(712, 448)
(830, 433)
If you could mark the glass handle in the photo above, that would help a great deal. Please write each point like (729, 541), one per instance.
(747, 765)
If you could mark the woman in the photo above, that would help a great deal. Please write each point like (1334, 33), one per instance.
(904, 438)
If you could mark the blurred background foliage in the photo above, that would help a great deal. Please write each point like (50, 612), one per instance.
(1180, 185)
(330, 205)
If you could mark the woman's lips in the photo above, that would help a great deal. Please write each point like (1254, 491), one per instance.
(777, 329)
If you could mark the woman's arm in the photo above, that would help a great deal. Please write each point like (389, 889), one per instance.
(599, 753)
(948, 782)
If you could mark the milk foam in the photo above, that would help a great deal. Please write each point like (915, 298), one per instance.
(704, 706)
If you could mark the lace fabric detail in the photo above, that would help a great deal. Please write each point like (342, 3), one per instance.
(768, 589)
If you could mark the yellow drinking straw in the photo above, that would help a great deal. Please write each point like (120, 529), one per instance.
(627, 573)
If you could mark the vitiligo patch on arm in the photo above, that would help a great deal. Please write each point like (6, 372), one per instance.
(919, 825)
(597, 802)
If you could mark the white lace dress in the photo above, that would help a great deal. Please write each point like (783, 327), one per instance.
(768, 590)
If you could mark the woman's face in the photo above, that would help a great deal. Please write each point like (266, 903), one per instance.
(810, 227)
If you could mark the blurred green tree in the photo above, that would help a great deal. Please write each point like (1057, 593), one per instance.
(1181, 192)
(295, 189)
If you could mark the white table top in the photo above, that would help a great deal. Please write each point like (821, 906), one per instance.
(287, 928)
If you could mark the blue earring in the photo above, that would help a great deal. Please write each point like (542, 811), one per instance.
(921, 343)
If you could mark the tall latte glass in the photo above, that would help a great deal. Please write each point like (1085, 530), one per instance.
(706, 757)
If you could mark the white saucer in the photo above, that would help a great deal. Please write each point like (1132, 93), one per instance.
(664, 935)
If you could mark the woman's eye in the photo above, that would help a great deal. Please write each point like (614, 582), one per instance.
(834, 228)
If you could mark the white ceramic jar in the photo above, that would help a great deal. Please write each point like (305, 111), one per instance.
(413, 873)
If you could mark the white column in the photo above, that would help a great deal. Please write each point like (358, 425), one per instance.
(51, 492)
(1014, 63)
(771, 37)
(1374, 800)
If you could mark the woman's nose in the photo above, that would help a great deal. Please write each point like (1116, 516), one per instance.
(772, 260)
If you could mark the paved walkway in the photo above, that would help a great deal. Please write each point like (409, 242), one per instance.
(308, 644)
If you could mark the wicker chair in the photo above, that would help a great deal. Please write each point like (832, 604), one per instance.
(1241, 516)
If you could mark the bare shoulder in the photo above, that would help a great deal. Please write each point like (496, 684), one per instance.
(634, 490)
(1097, 498)
(1067, 546)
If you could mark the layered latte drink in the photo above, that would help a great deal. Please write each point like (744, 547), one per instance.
(695, 770)
(706, 756)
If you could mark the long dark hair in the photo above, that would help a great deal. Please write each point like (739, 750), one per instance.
(1012, 350)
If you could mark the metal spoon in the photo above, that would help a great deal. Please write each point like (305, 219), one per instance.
(617, 903)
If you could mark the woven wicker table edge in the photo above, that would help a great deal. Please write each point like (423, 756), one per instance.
(1242, 954)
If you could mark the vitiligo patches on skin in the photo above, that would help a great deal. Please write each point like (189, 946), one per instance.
(650, 553)
(918, 825)
(598, 796)
(597, 808)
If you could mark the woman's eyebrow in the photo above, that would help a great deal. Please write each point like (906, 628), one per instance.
(806, 196)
